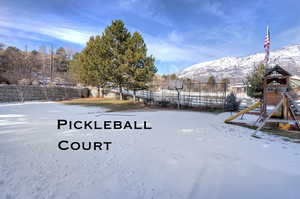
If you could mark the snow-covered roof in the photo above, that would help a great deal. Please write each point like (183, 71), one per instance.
(295, 77)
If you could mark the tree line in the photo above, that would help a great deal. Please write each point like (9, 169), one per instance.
(117, 59)
(33, 67)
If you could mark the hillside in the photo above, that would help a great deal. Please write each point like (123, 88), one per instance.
(237, 68)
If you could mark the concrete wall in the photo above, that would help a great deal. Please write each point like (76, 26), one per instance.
(13, 93)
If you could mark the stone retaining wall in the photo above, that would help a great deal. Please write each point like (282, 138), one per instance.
(13, 93)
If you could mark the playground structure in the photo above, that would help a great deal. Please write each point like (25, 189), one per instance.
(254, 106)
(279, 107)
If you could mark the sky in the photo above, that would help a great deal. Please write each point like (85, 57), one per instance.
(178, 33)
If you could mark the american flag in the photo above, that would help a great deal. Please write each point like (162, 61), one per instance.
(267, 45)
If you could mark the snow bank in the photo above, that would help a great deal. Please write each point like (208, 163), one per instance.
(185, 155)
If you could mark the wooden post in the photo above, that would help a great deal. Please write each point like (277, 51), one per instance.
(285, 108)
(224, 99)
(264, 107)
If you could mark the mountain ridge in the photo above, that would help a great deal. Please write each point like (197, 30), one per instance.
(237, 68)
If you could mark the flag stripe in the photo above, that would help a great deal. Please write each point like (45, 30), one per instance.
(267, 45)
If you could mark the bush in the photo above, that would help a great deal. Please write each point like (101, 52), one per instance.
(255, 82)
(231, 103)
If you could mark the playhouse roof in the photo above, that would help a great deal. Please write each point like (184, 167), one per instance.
(277, 69)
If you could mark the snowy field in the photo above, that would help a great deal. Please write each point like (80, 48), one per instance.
(185, 155)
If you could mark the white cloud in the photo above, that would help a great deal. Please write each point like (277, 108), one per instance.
(167, 50)
(18, 34)
(175, 37)
(62, 33)
(214, 7)
(67, 34)
(289, 36)
(146, 9)
(63, 30)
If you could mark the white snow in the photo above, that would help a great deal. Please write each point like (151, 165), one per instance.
(185, 155)
(229, 67)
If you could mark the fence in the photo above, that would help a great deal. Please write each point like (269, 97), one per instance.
(188, 94)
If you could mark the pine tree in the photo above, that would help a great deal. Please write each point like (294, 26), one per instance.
(61, 60)
(211, 81)
(255, 82)
(141, 68)
(231, 103)
(116, 40)
(89, 66)
(77, 68)
(116, 59)
(225, 83)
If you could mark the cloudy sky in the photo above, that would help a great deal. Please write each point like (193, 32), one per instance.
(178, 33)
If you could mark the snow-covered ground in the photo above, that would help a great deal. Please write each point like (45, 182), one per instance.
(185, 155)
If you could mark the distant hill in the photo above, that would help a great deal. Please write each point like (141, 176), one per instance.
(237, 68)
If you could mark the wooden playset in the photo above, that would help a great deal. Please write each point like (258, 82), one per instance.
(279, 108)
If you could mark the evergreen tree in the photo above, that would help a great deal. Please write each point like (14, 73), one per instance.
(34, 61)
(225, 83)
(89, 66)
(116, 39)
(211, 81)
(61, 60)
(141, 68)
(255, 82)
(116, 59)
(231, 103)
(12, 63)
(77, 68)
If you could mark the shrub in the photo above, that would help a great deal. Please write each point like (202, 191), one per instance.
(231, 103)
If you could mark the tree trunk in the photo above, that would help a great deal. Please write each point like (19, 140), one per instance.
(134, 95)
(98, 91)
(101, 94)
(121, 92)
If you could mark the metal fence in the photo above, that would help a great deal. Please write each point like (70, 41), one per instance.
(189, 94)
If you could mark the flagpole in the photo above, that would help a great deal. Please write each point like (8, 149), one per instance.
(267, 47)
(267, 55)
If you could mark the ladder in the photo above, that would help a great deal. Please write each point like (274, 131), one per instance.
(269, 116)
(293, 107)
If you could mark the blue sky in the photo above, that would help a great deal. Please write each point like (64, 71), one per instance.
(178, 33)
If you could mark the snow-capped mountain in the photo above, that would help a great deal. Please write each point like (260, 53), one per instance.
(237, 68)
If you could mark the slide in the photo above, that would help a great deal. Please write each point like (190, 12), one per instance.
(254, 106)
